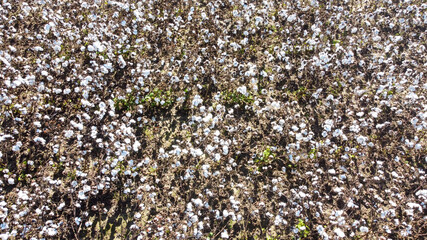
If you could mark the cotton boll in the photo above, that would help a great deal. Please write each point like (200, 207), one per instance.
(86, 103)
(197, 100)
(275, 105)
(98, 46)
(225, 150)
(322, 232)
(79, 126)
(361, 140)
(337, 190)
(136, 145)
(376, 38)
(224, 234)
(11, 181)
(138, 215)
(278, 128)
(242, 90)
(69, 133)
(40, 140)
(374, 114)
(47, 28)
(86, 188)
(337, 132)
(61, 206)
(354, 128)
(114, 172)
(52, 232)
(17, 146)
(67, 91)
(121, 62)
(328, 125)
(292, 18)
(197, 202)
(82, 195)
(339, 232)
(258, 20)
(244, 41)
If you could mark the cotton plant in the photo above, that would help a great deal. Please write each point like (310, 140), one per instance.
(363, 104)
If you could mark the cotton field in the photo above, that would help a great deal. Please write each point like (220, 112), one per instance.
(225, 119)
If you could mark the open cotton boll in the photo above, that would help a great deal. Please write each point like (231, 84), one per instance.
(242, 90)
(11, 181)
(339, 232)
(121, 62)
(52, 232)
(224, 235)
(17, 146)
(82, 195)
(197, 202)
(79, 126)
(98, 46)
(114, 172)
(292, 18)
(136, 145)
(40, 140)
(258, 20)
(361, 140)
(328, 125)
(275, 105)
(197, 100)
(91, 48)
(145, 73)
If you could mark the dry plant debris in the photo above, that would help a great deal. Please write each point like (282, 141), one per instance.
(226, 119)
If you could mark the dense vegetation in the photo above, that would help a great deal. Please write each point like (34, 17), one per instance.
(209, 120)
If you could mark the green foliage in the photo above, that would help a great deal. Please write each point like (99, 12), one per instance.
(159, 98)
(155, 99)
(267, 154)
(103, 54)
(313, 153)
(125, 104)
(272, 27)
(59, 167)
(303, 229)
(22, 177)
(301, 93)
(336, 89)
(233, 98)
(153, 171)
(178, 12)
(231, 224)
(268, 237)
(72, 175)
(210, 235)
(335, 41)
